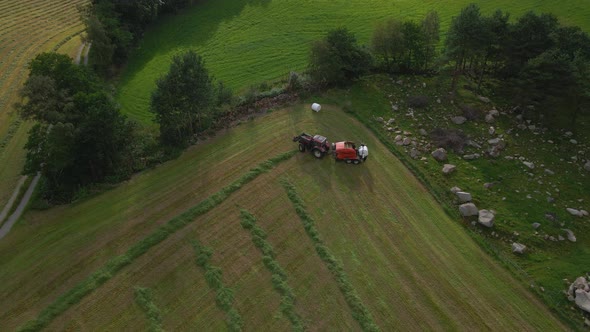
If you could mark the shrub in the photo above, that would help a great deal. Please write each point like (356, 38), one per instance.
(418, 101)
(450, 139)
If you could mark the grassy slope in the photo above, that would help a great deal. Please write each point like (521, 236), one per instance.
(412, 265)
(26, 28)
(248, 42)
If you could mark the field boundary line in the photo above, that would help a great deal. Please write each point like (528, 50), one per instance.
(143, 298)
(224, 296)
(359, 311)
(114, 265)
(279, 276)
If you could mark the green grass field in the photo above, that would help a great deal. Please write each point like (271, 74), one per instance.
(248, 42)
(411, 266)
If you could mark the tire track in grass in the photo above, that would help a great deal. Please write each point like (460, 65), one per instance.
(279, 277)
(114, 265)
(224, 296)
(359, 311)
(143, 298)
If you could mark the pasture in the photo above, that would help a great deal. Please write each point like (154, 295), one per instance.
(245, 43)
(26, 29)
(352, 245)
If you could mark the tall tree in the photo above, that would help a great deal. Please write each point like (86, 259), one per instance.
(80, 137)
(338, 58)
(183, 100)
(388, 44)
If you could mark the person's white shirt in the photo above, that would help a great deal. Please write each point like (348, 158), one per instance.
(363, 151)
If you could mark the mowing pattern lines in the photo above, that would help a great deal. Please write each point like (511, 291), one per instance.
(143, 298)
(88, 285)
(224, 296)
(279, 277)
(359, 310)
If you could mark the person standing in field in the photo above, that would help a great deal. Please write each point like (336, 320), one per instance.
(363, 152)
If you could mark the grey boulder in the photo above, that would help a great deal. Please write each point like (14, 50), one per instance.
(486, 218)
(518, 248)
(468, 210)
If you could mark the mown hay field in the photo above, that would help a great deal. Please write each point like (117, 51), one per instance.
(406, 262)
(26, 29)
(245, 43)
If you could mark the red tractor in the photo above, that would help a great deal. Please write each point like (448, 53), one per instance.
(318, 145)
(348, 152)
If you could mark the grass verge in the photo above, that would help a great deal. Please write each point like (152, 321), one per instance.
(143, 298)
(359, 311)
(279, 277)
(114, 265)
(224, 296)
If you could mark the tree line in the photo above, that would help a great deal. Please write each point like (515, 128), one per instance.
(80, 138)
(539, 62)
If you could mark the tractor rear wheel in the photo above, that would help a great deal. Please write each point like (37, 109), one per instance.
(301, 147)
(317, 153)
(356, 161)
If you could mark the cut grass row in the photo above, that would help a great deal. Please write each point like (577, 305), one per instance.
(143, 298)
(358, 308)
(279, 277)
(224, 296)
(114, 265)
(246, 43)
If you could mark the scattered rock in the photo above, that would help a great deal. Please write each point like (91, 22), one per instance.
(473, 144)
(398, 138)
(494, 141)
(459, 120)
(438, 100)
(529, 164)
(574, 212)
(492, 130)
(579, 291)
(379, 119)
(560, 238)
(587, 166)
(407, 141)
(548, 171)
(455, 190)
(463, 197)
(486, 218)
(488, 185)
(489, 118)
(550, 216)
(394, 108)
(573, 141)
(439, 154)
(468, 210)
(471, 156)
(518, 248)
(448, 168)
(494, 112)
(536, 225)
(414, 154)
(484, 99)
(390, 121)
(570, 235)
(423, 132)
(568, 134)
(584, 212)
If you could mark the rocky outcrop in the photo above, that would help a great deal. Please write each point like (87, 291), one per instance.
(486, 218)
(448, 168)
(570, 235)
(463, 197)
(518, 248)
(468, 210)
(579, 291)
(439, 154)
